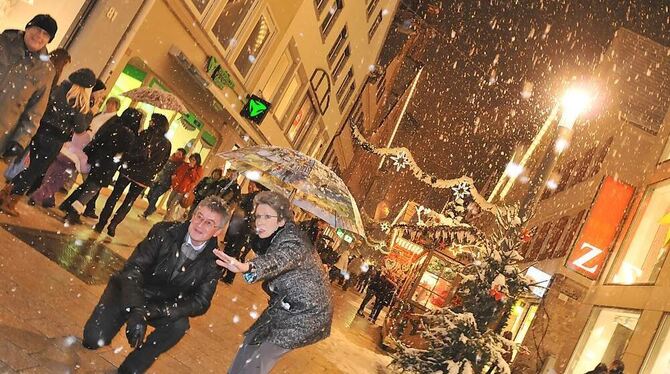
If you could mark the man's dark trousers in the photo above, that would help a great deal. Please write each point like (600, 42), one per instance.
(110, 315)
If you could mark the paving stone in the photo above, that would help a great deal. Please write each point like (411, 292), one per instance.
(14, 357)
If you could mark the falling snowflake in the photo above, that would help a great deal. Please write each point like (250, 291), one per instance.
(461, 191)
(400, 161)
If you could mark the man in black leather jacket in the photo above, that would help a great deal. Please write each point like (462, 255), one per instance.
(170, 277)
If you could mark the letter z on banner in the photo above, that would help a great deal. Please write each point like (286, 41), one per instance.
(599, 232)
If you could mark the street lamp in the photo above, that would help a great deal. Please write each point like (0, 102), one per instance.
(573, 103)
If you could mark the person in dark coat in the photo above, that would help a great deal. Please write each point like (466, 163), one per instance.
(300, 309)
(372, 291)
(138, 168)
(116, 137)
(206, 187)
(169, 278)
(601, 368)
(163, 181)
(384, 296)
(68, 112)
(229, 189)
(25, 78)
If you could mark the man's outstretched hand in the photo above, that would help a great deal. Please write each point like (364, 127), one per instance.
(136, 327)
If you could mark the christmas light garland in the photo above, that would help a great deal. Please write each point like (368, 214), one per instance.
(404, 154)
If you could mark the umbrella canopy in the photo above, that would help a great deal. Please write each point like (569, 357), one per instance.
(310, 184)
(158, 98)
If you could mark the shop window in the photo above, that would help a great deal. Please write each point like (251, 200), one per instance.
(563, 248)
(567, 177)
(595, 168)
(347, 95)
(303, 119)
(337, 45)
(435, 285)
(341, 62)
(253, 47)
(604, 338)
(375, 25)
(232, 16)
(584, 166)
(281, 75)
(658, 358)
(284, 104)
(316, 148)
(519, 322)
(646, 245)
(331, 17)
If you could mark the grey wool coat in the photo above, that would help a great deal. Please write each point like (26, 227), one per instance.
(300, 309)
(25, 83)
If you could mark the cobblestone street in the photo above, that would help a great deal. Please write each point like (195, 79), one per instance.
(43, 307)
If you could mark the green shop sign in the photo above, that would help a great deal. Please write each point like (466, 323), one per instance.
(191, 122)
(220, 77)
(255, 109)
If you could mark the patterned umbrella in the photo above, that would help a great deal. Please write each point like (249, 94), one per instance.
(158, 98)
(309, 184)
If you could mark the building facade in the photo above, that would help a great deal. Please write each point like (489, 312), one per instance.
(600, 232)
(305, 60)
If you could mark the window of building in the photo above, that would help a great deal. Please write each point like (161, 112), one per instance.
(316, 148)
(201, 5)
(646, 245)
(604, 339)
(538, 242)
(331, 17)
(658, 358)
(337, 45)
(308, 140)
(230, 20)
(347, 95)
(281, 75)
(284, 104)
(519, 322)
(341, 62)
(345, 84)
(372, 4)
(302, 120)
(550, 246)
(375, 25)
(320, 5)
(565, 245)
(436, 284)
(253, 47)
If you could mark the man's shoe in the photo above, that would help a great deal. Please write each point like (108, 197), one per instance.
(360, 313)
(5, 192)
(98, 228)
(8, 205)
(90, 215)
(72, 218)
(111, 231)
(49, 202)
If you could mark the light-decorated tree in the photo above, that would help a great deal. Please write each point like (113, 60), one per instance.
(465, 337)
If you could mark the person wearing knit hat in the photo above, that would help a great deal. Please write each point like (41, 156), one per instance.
(27, 76)
(46, 23)
(68, 112)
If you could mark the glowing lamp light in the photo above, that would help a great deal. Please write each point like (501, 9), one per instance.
(574, 102)
(561, 145)
(513, 169)
(253, 175)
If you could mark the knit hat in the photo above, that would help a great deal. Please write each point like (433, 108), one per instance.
(46, 23)
(83, 77)
(99, 85)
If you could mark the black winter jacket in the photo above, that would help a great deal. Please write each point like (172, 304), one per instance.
(112, 140)
(61, 120)
(145, 278)
(147, 157)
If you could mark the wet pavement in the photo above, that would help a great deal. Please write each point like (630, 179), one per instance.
(51, 276)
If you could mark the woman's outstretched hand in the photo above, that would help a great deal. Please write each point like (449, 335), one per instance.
(230, 263)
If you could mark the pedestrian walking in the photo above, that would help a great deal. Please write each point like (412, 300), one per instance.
(170, 277)
(114, 139)
(385, 292)
(300, 308)
(354, 271)
(25, 77)
(138, 168)
(163, 180)
(372, 291)
(206, 187)
(69, 112)
(183, 182)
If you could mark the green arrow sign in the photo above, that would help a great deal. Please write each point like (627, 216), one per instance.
(255, 109)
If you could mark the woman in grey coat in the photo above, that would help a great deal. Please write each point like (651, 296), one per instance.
(300, 310)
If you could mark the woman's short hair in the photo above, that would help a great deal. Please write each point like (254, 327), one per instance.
(216, 205)
(278, 202)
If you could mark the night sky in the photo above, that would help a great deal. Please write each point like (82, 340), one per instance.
(468, 108)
